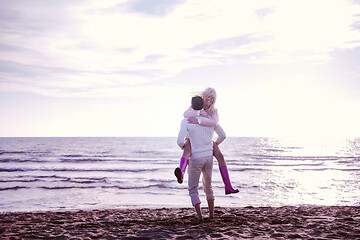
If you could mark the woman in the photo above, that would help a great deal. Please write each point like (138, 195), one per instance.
(211, 119)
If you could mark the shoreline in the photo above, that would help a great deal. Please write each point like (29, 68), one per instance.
(287, 222)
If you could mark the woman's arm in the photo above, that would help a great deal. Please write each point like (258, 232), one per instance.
(207, 122)
(201, 117)
(190, 112)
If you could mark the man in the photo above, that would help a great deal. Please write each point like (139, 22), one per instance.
(201, 157)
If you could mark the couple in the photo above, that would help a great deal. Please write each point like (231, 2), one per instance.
(195, 138)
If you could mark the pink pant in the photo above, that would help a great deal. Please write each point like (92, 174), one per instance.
(196, 167)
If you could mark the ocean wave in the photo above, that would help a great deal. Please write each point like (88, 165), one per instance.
(87, 180)
(11, 170)
(46, 176)
(12, 188)
(274, 150)
(75, 170)
(19, 180)
(106, 160)
(347, 160)
(66, 187)
(72, 160)
(13, 152)
(162, 180)
(84, 160)
(17, 160)
(103, 179)
(292, 158)
(159, 185)
(327, 169)
(249, 169)
(72, 155)
(351, 169)
(7, 160)
(145, 151)
(86, 155)
(275, 164)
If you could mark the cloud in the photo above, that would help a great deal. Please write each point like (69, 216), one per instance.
(229, 43)
(121, 44)
(153, 7)
(153, 58)
(4, 47)
(60, 82)
(263, 12)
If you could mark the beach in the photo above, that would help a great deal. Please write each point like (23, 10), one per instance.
(289, 222)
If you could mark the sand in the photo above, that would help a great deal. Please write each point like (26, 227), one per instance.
(339, 222)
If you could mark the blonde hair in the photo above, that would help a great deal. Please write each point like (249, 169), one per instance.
(210, 92)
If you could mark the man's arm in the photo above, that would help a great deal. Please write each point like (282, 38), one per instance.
(207, 122)
(182, 134)
(221, 134)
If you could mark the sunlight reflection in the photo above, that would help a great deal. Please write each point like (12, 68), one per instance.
(289, 172)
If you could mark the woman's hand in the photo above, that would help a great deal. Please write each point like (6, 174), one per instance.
(193, 120)
(204, 114)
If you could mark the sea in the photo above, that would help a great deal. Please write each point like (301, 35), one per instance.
(61, 174)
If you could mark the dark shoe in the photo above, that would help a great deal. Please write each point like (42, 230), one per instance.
(227, 192)
(178, 175)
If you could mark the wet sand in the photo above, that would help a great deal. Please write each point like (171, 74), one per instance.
(339, 222)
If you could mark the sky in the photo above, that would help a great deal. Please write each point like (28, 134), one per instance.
(112, 68)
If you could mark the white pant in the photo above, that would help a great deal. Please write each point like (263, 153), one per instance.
(196, 167)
